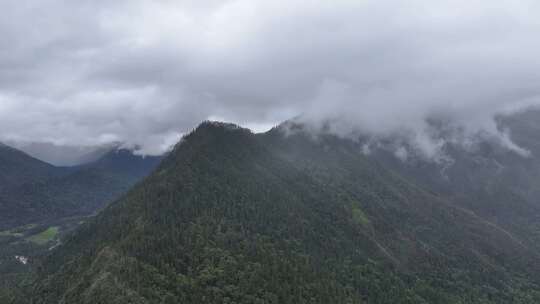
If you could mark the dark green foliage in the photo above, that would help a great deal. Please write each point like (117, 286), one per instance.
(17, 168)
(42, 192)
(233, 217)
(36, 198)
(31, 242)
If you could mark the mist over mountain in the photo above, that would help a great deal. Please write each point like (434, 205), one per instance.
(370, 152)
(427, 138)
(290, 215)
(377, 66)
(280, 217)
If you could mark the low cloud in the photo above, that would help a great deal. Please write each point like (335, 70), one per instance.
(144, 72)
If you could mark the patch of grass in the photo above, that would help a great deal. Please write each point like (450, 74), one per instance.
(360, 217)
(45, 236)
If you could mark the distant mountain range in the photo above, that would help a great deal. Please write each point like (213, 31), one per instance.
(64, 155)
(17, 168)
(235, 217)
(32, 190)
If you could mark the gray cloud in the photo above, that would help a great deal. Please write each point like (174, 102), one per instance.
(143, 72)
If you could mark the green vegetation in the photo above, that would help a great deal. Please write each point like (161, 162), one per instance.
(39, 203)
(51, 193)
(17, 278)
(359, 216)
(233, 217)
(45, 236)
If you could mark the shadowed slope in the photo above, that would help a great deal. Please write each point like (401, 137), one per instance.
(37, 191)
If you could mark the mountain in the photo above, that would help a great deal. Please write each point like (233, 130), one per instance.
(36, 191)
(234, 217)
(495, 183)
(17, 167)
(62, 155)
(40, 204)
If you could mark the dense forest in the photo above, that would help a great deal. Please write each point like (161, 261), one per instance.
(32, 191)
(235, 217)
(269, 152)
(40, 204)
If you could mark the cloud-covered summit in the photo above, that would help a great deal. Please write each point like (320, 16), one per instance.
(143, 72)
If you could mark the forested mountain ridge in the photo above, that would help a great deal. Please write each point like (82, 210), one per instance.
(496, 183)
(92, 186)
(234, 217)
(33, 191)
(43, 203)
(17, 167)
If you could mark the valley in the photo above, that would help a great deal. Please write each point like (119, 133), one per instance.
(40, 210)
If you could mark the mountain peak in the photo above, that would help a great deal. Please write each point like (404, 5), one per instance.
(212, 130)
(211, 124)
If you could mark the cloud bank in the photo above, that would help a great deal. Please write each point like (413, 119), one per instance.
(144, 72)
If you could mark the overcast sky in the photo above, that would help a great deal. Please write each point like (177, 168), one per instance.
(143, 72)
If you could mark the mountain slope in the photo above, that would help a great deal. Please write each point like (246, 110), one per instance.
(494, 182)
(71, 191)
(40, 209)
(233, 217)
(17, 168)
(92, 186)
